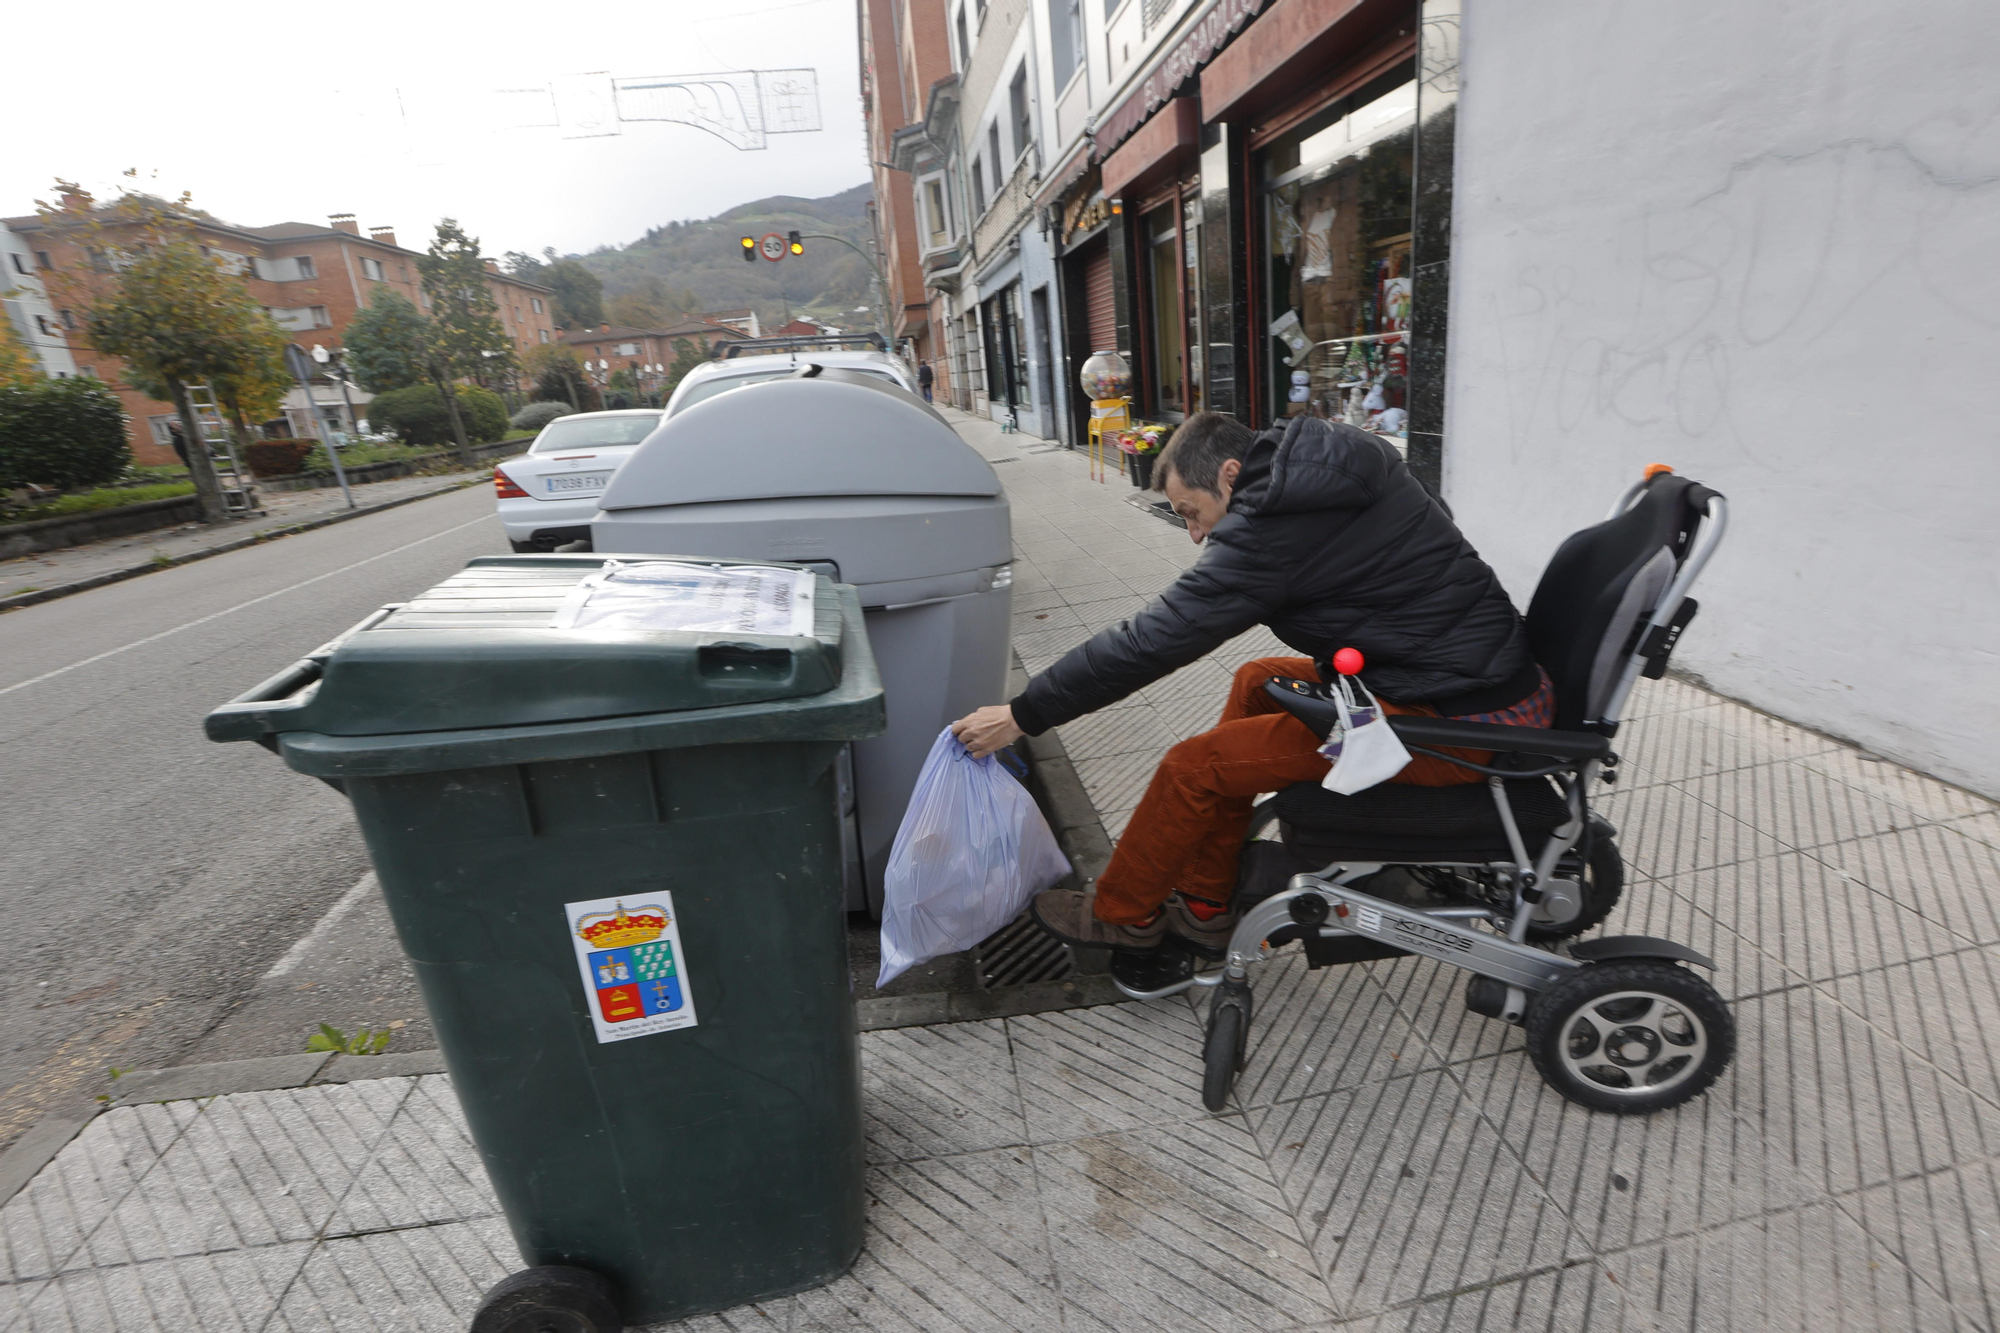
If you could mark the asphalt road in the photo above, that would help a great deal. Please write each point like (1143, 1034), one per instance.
(150, 879)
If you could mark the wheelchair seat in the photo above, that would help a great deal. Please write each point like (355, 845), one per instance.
(1399, 822)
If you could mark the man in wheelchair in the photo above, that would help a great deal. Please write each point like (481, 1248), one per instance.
(1319, 531)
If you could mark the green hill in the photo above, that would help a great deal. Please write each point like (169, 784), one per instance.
(694, 266)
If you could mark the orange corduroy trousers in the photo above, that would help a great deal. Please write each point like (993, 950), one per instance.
(1188, 830)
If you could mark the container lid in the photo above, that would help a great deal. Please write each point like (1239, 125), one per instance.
(784, 439)
(521, 640)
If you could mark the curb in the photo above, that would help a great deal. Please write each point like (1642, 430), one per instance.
(21, 599)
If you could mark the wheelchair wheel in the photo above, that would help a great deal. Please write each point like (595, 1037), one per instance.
(1632, 1037)
(1580, 897)
(1222, 1054)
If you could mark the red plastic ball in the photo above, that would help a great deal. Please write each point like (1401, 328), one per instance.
(1348, 661)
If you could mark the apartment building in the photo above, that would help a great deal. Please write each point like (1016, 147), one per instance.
(37, 323)
(610, 348)
(312, 278)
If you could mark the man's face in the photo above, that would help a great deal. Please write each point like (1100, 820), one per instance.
(1202, 510)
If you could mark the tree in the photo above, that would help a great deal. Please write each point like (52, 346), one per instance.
(559, 377)
(687, 355)
(18, 367)
(579, 294)
(466, 338)
(175, 315)
(419, 414)
(387, 343)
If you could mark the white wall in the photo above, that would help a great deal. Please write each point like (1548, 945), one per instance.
(1759, 241)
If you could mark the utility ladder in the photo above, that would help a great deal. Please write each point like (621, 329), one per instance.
(239, 490)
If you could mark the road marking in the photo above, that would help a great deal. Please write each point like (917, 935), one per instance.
(217, 615)
(323, 927)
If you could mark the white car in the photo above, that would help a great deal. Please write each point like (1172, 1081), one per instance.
(548, 496)
(736, 372)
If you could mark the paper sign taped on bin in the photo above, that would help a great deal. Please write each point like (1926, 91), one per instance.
(634, 972)
(668, 595)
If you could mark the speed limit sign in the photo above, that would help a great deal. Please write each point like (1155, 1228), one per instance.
(771, 246)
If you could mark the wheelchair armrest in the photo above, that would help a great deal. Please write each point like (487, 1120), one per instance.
(1489, 736)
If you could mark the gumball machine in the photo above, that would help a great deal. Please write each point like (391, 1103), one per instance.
(1107, 382)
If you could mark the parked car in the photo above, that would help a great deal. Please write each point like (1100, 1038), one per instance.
(739, 370)
(548, 496)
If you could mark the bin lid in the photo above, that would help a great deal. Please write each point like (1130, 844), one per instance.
(519, 640)
(784, 439)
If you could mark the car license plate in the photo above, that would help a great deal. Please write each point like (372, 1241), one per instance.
(577, 481)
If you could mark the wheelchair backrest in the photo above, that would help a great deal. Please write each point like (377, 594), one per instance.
(1604, 587)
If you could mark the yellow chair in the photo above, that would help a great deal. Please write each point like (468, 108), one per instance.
(1107, 416)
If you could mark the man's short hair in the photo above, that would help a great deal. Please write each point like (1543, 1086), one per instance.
(1198, 450)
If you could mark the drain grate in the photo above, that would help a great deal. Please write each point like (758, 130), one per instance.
(1020, 953)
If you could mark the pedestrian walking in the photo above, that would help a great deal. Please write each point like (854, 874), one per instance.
(924, 378)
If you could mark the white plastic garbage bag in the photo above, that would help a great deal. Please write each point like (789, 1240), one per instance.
(1364, 749)
(972, 850)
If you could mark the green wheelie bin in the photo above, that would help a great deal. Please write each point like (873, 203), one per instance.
(603, 800)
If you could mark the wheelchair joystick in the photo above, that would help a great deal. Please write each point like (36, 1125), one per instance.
(1348, 661)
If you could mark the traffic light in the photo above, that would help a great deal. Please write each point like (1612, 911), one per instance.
(794, 244)
(750, 249)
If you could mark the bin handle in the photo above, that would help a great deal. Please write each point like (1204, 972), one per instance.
(260, 710)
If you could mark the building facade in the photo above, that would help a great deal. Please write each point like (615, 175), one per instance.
(36, 322)
(313, 280)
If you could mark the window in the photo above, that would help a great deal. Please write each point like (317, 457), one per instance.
(68, 318)
(372, 268)
(20, 262)
(1166, 347)
(1335, 198)
(320, 320)
(544, 333)
(42, 259)
(978, 188)
(538, 304)
(1017, 101)
(42, 323)
(993, 157)
(628, 349)
(1065, 39)
(964, 46)
(934, 212)
(402, 273)
(305, 265)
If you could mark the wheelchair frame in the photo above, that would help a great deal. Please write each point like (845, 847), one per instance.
(1322, 904)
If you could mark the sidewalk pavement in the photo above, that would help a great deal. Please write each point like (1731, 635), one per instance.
(1391, 1162)
(46, 570)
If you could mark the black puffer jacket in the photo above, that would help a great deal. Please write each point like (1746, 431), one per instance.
(1332, 543)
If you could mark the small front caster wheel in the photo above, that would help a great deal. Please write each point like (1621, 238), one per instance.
(1222, 1054)
(1633, 1036)
(550, 1299)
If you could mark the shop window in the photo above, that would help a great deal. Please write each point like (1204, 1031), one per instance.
(1336, 242)
(1166, 343)
(1017, 347)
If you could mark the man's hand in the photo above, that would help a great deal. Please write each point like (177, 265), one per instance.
(987, 730)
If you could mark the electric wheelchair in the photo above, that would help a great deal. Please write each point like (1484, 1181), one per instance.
(1485, 876)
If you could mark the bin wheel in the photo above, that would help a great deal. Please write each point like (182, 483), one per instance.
(1632, 1037)
(1223, 1052)
(551, 1299)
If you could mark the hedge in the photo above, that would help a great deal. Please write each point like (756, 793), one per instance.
(418, 415)
(65, 434)
(537, 415)
(277, 458)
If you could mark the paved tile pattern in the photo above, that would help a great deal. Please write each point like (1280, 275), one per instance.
(1391, 1163)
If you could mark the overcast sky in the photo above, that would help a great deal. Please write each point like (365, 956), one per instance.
(288, 112)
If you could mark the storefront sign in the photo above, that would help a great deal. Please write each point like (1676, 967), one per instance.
(1193, 51)
(1084, 214)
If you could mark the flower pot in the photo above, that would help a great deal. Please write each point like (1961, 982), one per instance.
(1142, 470)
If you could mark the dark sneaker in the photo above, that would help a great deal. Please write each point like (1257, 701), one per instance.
(1067, 915)
(1209, 938)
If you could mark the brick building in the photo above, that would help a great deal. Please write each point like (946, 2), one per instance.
(905, 55)
(611, 348)
(313, 279)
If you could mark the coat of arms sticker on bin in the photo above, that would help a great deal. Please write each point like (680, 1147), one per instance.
(634, 973)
